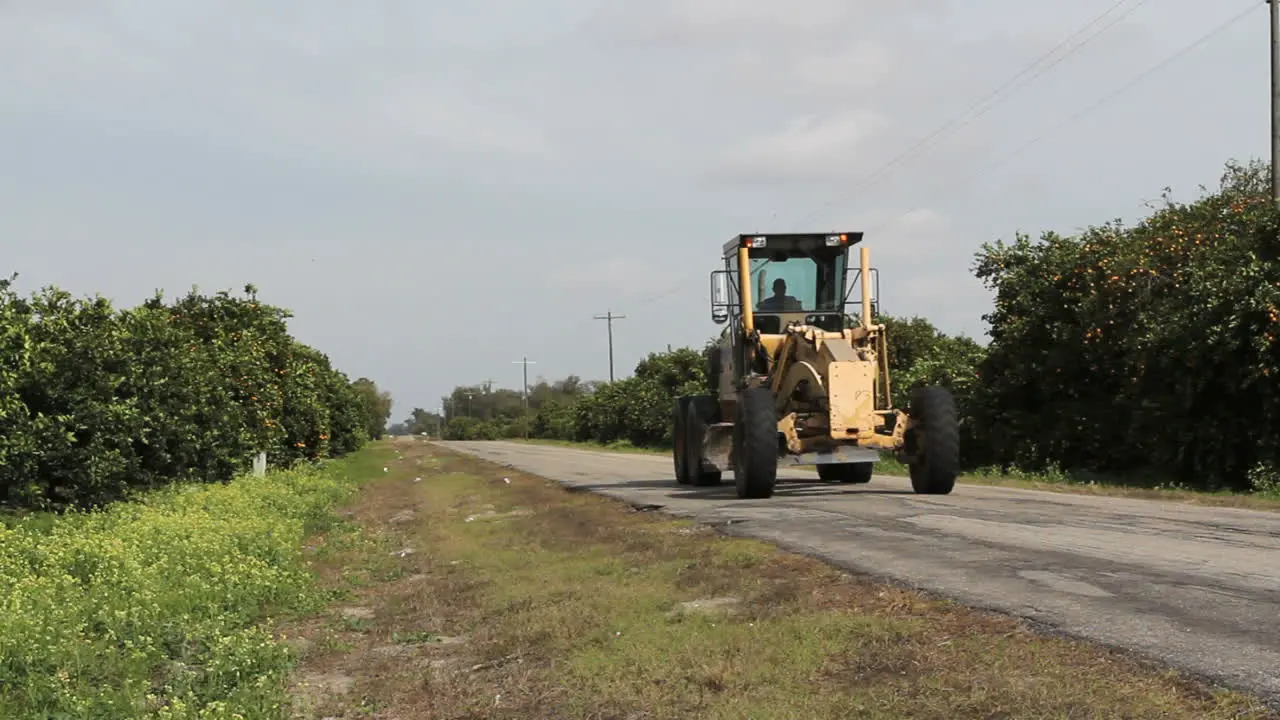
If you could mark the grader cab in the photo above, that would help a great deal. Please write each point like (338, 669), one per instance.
(799, 381)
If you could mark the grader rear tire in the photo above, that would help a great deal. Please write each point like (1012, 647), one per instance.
(755, 444)
(846, 473)
(937, 441)
(679, 438)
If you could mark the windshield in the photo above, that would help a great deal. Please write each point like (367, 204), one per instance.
(801, 283)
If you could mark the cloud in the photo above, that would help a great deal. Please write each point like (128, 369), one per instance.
(899, 235)
(920, 222)
(277, 82)
(811, 148)
(628, 275)
(765, 26)
(858, 67)
(706, 20)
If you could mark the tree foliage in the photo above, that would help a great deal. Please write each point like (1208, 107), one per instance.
(98, 402)
(377, 406)
(1146, 347)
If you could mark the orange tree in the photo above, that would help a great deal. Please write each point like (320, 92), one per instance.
(638, 409)
(1150, 347)
(96, 403)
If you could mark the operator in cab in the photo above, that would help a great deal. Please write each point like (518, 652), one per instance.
(780, 301)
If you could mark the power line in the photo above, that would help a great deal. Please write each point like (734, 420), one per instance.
(1136, 80)
(958, 122)
(610, 317)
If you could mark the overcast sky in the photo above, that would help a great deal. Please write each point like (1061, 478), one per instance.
(438, 189)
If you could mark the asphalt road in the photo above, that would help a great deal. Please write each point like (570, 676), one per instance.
(1195, 587)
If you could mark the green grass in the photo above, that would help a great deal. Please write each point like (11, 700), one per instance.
(159, 607)
(581, 609)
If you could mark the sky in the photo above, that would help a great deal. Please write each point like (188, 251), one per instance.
(438, 190)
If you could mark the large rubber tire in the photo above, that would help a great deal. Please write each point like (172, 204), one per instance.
(702, 412)
(679, 439)
(755, 444)
(937, 443)
(846, 473)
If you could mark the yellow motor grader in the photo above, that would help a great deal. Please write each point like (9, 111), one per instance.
(799, 381)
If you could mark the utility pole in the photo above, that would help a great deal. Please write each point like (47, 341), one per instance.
(524, 392)
(1275, 100)
(609, 317)
(488, 408)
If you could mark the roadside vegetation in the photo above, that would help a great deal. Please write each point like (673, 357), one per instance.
(160, 607)
(139, 560)
(1134, 356)
(464, 589)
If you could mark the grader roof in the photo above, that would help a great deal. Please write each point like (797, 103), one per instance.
(788, 241)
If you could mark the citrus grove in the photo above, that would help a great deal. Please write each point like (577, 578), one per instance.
(97, 403)
(1139, 350)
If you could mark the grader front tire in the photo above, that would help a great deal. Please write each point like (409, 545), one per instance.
(936, 427)
(755, 444)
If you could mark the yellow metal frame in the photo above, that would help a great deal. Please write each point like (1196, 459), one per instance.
(830, 364)
(744, 289)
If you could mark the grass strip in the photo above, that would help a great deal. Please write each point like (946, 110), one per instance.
(475, 591)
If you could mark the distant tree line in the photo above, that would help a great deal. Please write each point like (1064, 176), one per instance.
(1147, 349)
(637, 410)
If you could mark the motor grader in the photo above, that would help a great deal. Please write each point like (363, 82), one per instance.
(799, 381)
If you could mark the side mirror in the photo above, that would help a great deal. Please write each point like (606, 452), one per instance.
(720, 301)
